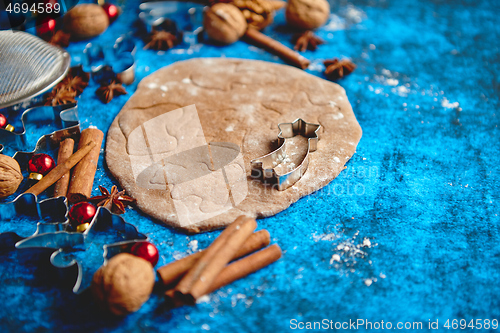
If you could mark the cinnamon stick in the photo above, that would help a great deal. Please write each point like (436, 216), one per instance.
(235, 271)
(199, 278)
(253, 36)
(172, 299)
(173, 272)
(82, 179)
(65, 150)
(60, 170)
(243, 267)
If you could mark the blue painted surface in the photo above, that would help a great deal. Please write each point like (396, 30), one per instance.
(423, 188)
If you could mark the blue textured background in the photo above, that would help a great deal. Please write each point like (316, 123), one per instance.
(423, 188)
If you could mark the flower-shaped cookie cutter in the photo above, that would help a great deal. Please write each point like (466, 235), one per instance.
(63, 116)
(287, 130)
(69, 246)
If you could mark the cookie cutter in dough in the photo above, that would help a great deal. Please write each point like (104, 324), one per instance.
(118, 60)
(287, 130)
(69, 247)
(64, 116)
(52, 211)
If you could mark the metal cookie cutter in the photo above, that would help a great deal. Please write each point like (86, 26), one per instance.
(78, 255)
(29, 212)
(47, 215)
(106, 62)
(287, 130)
(187, 15)
(64, 116)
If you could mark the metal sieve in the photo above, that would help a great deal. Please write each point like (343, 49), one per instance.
(29, 66)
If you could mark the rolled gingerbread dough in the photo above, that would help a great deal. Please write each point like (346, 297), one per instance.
(183, 143)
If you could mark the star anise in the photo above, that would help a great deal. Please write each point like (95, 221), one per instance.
(337, 69)
(307, 41)
(78, 71)
(60, 38)
(114, 201)
(60, 96)
(108, 91)
(161, 40)
(76, 80)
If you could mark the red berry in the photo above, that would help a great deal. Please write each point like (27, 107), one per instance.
(80, 213)
(41, 163)
(45, 26)
(3, 121)
(111, 10)
(51, 2)
(146, 251)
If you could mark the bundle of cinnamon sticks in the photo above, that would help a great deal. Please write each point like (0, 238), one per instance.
(208, 270)
(78, 187)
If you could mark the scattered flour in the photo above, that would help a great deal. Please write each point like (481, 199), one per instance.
(203, 299)
(447, 104)
(349, 253)
(193, 245)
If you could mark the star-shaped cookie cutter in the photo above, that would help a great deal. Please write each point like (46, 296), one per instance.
(287, 130)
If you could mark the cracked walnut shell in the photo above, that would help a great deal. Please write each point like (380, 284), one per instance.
(10, 176)
(224, 23)
(123, 284)
(307, 14)
(258, 13)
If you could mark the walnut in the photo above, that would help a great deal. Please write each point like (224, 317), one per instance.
(123, 284)
(224, 23)
(258, 13)
(307, 14)
(86, 21)
(10, 176)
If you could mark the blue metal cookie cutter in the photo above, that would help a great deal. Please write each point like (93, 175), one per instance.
(64, 116)
(287, 130)
(70, 247)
